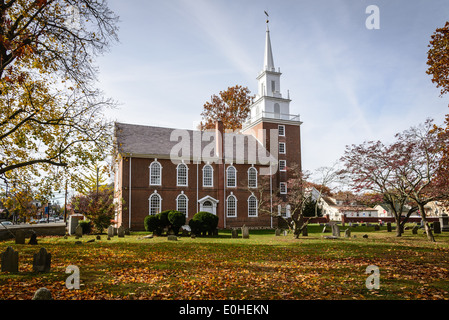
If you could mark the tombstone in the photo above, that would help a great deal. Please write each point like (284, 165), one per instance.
(79, 231)
(444, 222)
(365, 236)
(348, 233)
(127, 232)
(110, 231)
(325, 229)
(73, 223)
(389, 227)
(10, 260)
(415, 229)
(245, 232)
(90, 241)
(121, 232)
(42, 294)
(335, 230)
(376, 227)
(42, 261)
(234, 233)
(436, 227)
(20, 237)
(277, 232)
(172, 237)
(98, 237)
(33, 239)
(192, 236)
(305, 232)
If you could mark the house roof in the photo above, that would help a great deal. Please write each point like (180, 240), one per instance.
(160, 142)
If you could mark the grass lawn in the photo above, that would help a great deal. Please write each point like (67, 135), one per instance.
(262, 267)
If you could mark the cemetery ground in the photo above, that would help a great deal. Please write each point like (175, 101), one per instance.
(264, 266)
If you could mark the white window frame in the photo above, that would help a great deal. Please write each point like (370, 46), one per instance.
(159, 208)
(182, 195)
(234, 214)
(254, 214)
(283, 130)
(155, 162)
(284, 150)
(227, 177)
(283, 185)
(283, 165)
(211, 178)
(254, 179)
(186, 177)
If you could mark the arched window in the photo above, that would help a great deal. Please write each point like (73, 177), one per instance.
(155, 173)
(208, 176)
(252, 206)
(182, 175)
(231, 206)
(252, 177)
(231, 177)
(155, 203)
(182, 203)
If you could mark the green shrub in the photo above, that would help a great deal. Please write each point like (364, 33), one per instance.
(177, 220)
(203, 222)
(163, 218)
(86, 225)
(152, 224)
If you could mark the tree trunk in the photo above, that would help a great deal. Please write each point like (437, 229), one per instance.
(399, 226)
(429, 232)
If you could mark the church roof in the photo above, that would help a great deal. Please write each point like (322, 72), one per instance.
(160, 142)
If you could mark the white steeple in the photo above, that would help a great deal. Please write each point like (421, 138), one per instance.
(268, 60)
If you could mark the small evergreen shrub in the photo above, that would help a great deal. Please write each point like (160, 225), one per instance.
(203, 222)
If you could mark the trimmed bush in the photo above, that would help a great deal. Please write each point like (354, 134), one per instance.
(86, 225)
(203, 222)
(177, 220)
(152, 224)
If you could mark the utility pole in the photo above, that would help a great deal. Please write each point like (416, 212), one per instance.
(65, 202)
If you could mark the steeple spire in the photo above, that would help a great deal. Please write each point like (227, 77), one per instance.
(268, 60)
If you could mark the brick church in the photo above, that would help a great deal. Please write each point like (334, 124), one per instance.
(216, 171)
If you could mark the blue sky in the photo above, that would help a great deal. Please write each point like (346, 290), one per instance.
(348, 83)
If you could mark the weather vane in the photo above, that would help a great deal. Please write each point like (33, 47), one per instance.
(267, 16)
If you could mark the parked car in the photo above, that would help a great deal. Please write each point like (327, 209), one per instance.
(43, 220)
(6, 223)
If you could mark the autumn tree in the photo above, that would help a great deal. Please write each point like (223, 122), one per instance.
(230, 106)
(370, 167)
(51, 112)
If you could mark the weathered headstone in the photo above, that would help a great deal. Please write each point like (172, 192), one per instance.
(436, 227)
(10, 260)
(121, 232)
(172, 237)
(42, 294)
(127, 232)
(110, 231)
(325, 229)
(245, 232)
(277, 232)
(444, 222)
(79, 231)
(415, 229)
(20, 236)
(335, 230)
(42, 261)
(376, 227)
(98, 237)
(73, 223)
(348, 233)
(305, 232)
(389, 227)
(234, 233)
(33, 239)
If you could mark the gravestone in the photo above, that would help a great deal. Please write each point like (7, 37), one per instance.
(98, 237)
(348, 233)
(389, 227)
(33, 239)
(277, 232)
(234, 233)
(376, 227)
(335, 230)
(436, 227)
(127, 232)
(110, 231)
(415, 229)
(20, 237)
(121, 232)
(305, 232)
(42, 294)
(42, 261)
(325, 229)
(10, 260)
(444, 222)
(79, 231)
(73, 223)
(245, 232)
(172, 237)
